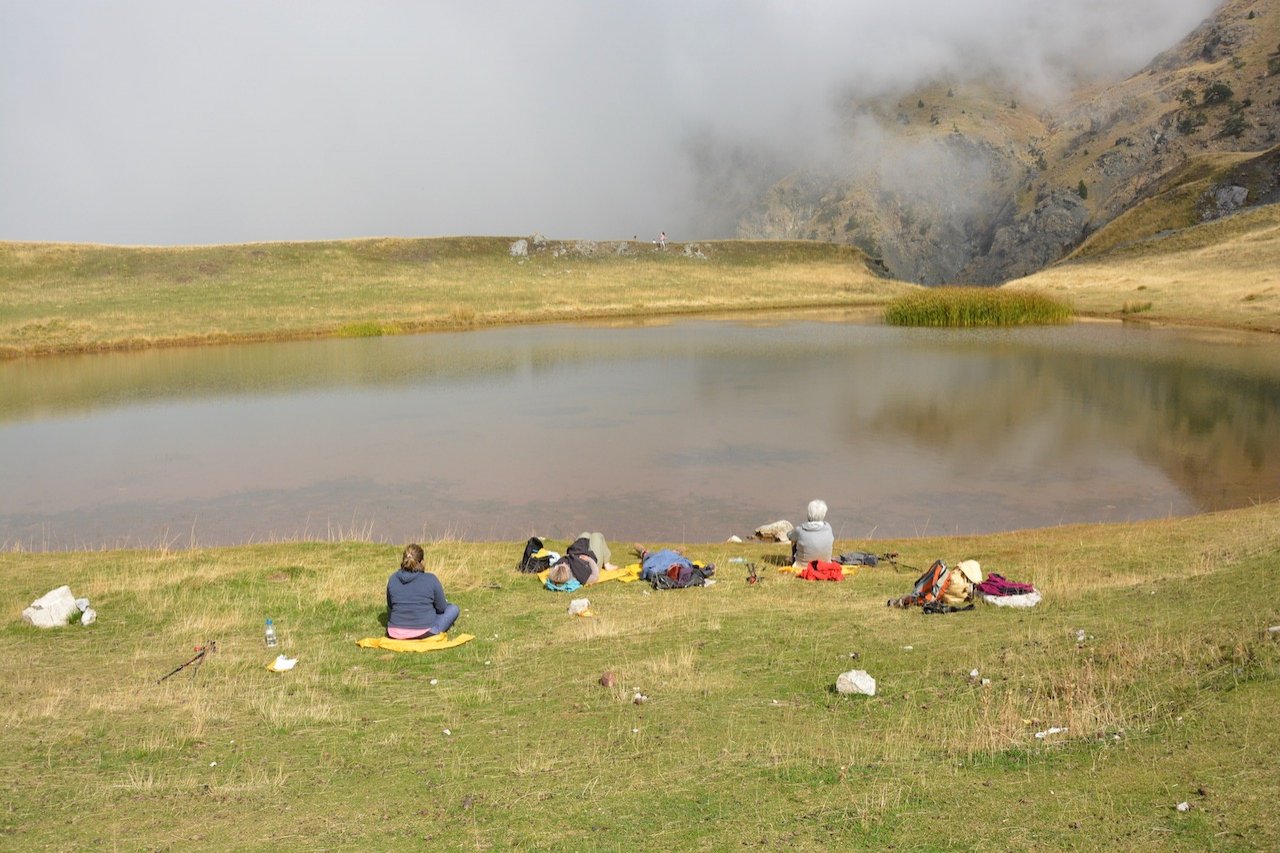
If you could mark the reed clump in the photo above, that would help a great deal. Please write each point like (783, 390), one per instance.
(974, 306)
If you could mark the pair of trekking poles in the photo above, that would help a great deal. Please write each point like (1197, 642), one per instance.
(201, 653)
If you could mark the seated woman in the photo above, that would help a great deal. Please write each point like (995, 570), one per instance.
(814, 539)
(416, 606)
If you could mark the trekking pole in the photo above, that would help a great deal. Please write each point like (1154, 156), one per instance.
(201, 651)
(892, 559)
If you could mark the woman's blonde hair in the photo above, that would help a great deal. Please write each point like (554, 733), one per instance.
(412, 559)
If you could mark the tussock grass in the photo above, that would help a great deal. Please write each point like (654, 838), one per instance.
(972, 306)
(742, 739)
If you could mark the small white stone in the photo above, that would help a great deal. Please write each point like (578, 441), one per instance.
(213, 764)
(447, 732)
(1184, 806)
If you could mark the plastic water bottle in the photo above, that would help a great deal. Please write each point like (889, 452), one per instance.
(270, 635)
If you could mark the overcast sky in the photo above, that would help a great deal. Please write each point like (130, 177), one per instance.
(188, 122)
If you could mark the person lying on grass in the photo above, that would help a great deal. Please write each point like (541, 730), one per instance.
(416, 606)
(579, 563)
(659, 567)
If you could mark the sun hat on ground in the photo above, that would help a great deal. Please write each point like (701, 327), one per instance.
(972, 570)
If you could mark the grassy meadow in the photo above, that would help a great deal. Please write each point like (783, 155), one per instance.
(1224, 273)
(1169, 698)
(68, 298)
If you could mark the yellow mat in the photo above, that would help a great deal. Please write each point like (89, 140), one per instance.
(626, 574)
(430, 644)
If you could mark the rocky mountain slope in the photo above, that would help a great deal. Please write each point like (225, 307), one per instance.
(961, 182)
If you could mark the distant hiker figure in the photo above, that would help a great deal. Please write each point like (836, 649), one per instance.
(662, 240)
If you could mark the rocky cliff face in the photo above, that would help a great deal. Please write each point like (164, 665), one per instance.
(965, 183)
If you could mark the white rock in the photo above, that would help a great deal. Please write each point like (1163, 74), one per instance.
(775, 530)
(51, 610)
(89, 616)
(734, 539)
(856, 681)
(1183, 806)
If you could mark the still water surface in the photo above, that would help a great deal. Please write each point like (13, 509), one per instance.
(688, 431)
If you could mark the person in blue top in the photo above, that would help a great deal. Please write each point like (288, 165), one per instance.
(416, 606)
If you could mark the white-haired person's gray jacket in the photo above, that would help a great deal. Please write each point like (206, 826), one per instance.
(814, 539)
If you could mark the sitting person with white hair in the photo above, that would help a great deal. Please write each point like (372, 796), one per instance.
(814, 539)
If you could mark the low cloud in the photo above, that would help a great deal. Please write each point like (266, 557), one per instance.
(162, 123)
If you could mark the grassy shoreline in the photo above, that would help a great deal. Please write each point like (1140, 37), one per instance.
(63, 299)
(1167, 699)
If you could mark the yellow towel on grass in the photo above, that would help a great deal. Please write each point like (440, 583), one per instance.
(626, 574)
(430, 644)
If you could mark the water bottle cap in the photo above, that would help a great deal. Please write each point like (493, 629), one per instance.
(268, 621)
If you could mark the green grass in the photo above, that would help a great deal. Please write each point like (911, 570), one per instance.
(742, 742)
(67, 298)
(974, 306)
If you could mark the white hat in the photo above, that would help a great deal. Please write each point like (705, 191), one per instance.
(972, 570)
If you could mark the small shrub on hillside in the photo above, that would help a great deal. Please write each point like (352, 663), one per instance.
(1082, 190)
(1218, 93)
(1188, 97)
(976, 306)
(1234, 126)
(1191, 122)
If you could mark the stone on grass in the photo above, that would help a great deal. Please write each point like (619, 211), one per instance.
(51, 610)
(774, 531)
(856, 681)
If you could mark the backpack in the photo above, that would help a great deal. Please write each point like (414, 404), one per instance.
(530, 564)
(682, 576)
(928, 587)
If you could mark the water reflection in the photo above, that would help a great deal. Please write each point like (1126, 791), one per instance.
(694, 430)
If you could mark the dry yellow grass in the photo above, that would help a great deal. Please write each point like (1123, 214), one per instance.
(58, 298)
(1223, 273)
